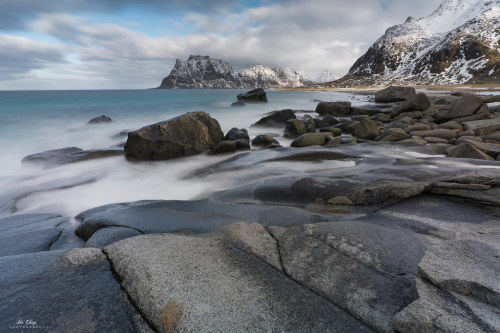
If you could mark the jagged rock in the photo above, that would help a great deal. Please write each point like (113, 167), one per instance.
(419, 102)
(204, 72)
(224, 147)
(309, 139)
(366, 129)
(437, 133)
(100, 120)
(333, 108)
(277, 118)
(264, 140)
(452, 45)
(189, 134)
(331, 120)
(464, 106)
(393, 134)
(253, 96)
(488, 148)
(467, 150)
(237, 134)
(394, 94)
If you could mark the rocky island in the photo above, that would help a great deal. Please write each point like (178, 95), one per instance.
(381, 232)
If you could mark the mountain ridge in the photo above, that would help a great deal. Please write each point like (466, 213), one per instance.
(457, 43)
(206, 72)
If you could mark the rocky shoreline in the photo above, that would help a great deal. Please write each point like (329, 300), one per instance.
(394, 225)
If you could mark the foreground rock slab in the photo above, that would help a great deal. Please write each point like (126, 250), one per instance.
(189, 284)
(64, 291)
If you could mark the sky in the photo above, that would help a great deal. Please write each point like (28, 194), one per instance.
(133, 44)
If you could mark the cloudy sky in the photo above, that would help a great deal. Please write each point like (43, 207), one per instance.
(117, 44)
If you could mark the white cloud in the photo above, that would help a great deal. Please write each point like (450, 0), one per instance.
(305, 35)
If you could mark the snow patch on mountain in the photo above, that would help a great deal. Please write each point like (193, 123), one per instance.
(457, 43)
(205, 72)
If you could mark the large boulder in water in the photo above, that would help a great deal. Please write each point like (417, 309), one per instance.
(253, 96)
(394, 94)
(189, 134)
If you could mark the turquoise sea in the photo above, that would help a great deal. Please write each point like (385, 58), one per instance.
(36, 121)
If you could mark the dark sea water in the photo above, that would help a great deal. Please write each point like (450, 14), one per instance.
(36, 121)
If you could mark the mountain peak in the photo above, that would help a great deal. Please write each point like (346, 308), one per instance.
(205, 72)
(457, 43)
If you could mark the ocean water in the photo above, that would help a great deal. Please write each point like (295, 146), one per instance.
(36, 121)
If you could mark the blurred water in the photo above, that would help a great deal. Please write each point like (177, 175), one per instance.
(36, 121)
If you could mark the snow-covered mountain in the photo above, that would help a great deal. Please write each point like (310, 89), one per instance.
(458, 43)
(205, 72)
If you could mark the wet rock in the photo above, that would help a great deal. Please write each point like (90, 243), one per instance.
(438, 133)
(431, 139)
(277, 118)
(263, 140)
(393, 134)
(402, 123)
(238, 103)
(100, 120)
(57, 157)
(333, 142)
(189, 134)
(335, 131)
(333, 108)
(309, 139)
(464, 106)
(242, 144)
(253, 96)
(413, 115)
(29, 233)
(495, 136)
(224, 147)
(417, 127)
(452, 125)
(47, 289)
(419, 102)
(296, 127)
(467, 150)
(366, 129)
(237, 134)
(331, 120)
(394, 94)
(107, 236)
(319, 123)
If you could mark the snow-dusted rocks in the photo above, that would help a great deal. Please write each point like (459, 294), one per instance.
(457, 43)
(205, 72)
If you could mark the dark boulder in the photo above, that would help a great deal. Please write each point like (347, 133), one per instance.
(100, 120)
(461, 107)
(189, 134)
(319, 123)
(394, 94)
(331, 120)
(238, 103)
(333, 108)
(237, 134)
(365, 129)
(242, 144)
(264, 140)
(224, 147)
(253, 96)
(277, 118)
(419, 102)
(296, 127)
(309, 139)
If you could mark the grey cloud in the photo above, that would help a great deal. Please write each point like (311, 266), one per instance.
(20, 55)
(13, 13)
